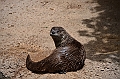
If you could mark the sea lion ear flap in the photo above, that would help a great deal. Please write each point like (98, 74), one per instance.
(63, 34)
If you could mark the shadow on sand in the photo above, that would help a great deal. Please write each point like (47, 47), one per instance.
(106, 30)
(3, 76)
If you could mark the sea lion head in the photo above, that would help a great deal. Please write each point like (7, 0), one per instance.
(58, 34)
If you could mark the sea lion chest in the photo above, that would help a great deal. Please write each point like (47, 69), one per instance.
(65, 52)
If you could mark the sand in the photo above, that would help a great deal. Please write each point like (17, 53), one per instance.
(25, 27)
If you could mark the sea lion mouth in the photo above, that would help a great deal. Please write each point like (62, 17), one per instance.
(53, 34)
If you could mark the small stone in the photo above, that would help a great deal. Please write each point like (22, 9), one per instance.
(116, 69)
(96, 75)
(51, 9)
(12, 25)
(102, 70)
(10, 13)
(11, 7)
(52, 21)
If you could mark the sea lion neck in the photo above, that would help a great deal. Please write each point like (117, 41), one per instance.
(57, 41)
(63, 41)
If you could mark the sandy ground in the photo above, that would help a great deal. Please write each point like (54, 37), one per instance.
(25, 26)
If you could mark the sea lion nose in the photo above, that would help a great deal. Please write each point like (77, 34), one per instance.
(53, 32)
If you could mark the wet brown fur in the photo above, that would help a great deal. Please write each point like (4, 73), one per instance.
(69, 55)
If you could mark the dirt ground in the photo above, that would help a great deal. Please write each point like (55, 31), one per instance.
(25, 27)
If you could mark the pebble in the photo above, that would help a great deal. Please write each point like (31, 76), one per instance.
(102, 70)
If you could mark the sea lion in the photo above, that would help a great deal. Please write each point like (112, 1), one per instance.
(69, 55)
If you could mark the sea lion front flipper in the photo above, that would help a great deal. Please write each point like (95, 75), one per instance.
(62, 72)
(35, 66)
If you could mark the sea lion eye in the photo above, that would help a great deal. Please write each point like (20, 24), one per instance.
(58, 31)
